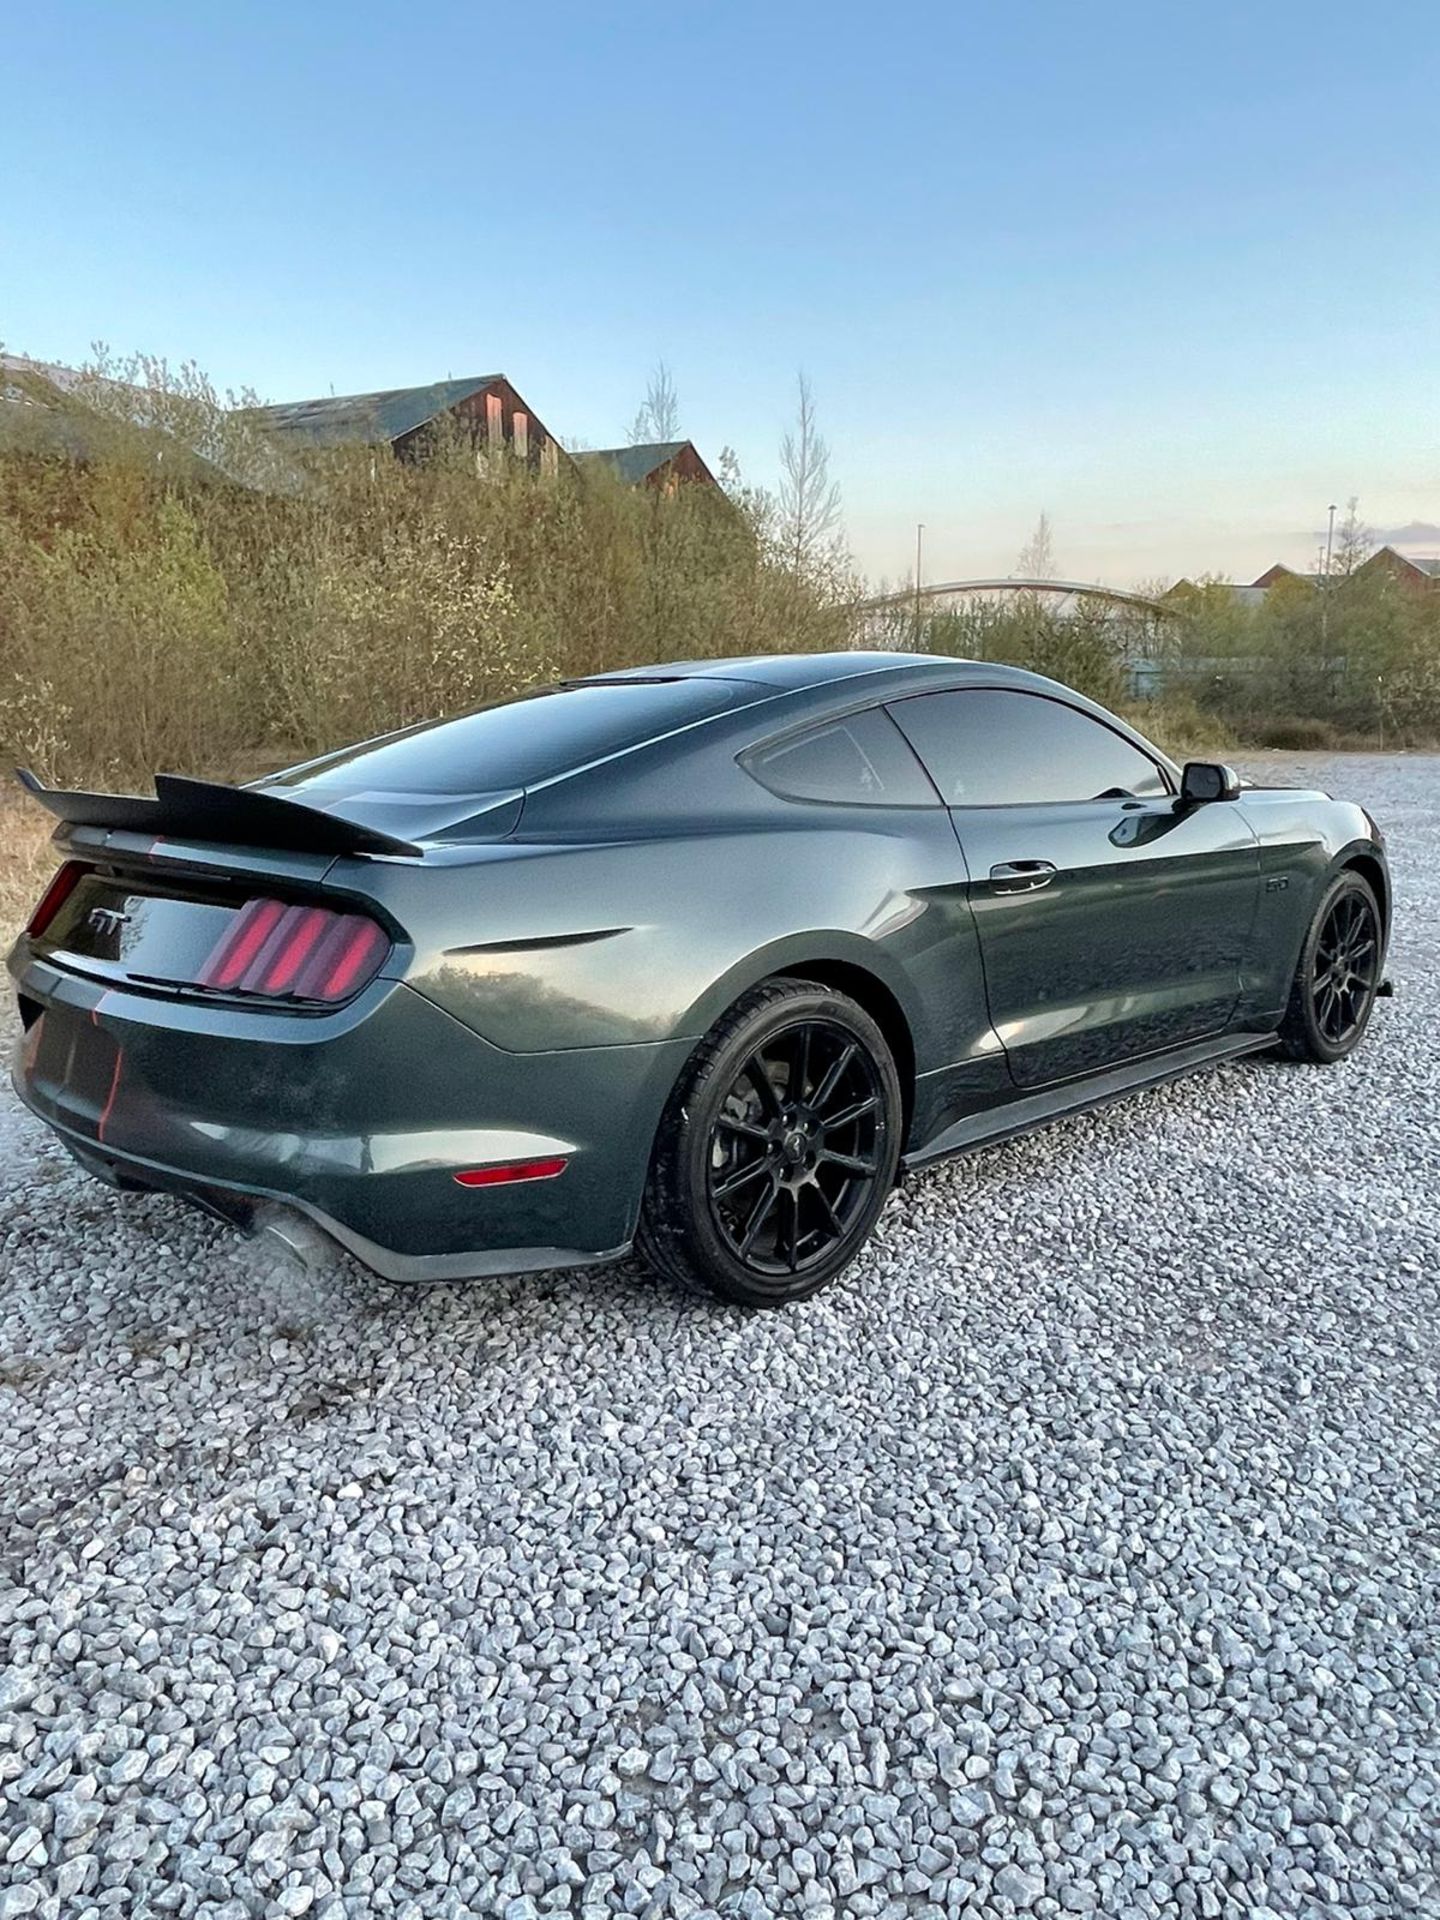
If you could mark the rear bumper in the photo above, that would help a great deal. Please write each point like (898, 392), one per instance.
(245, 1206)
(360, 1119)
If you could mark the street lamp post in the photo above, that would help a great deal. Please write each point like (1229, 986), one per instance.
(1325, 589)
(919, 574)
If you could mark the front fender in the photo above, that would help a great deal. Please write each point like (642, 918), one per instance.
(1305, 839)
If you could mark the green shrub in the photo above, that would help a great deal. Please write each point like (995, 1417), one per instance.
(1180, 727)
(154, 619)
(1307, 668)
(1084, 649)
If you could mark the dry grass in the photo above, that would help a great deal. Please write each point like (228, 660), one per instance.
(27, 860)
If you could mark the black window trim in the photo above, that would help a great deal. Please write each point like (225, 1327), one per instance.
(1031, 693)
(813, 723)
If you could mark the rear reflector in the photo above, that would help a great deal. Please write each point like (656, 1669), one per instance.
(55, 896)
(511, 1170)
(292, 952)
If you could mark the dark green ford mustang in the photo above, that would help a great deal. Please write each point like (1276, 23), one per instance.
(692, 958)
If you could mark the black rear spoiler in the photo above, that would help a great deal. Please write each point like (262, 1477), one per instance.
(207, 810)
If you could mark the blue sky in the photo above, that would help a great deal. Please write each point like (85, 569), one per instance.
(1169, 272)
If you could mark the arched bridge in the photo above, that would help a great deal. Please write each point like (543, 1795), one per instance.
(1065, 595)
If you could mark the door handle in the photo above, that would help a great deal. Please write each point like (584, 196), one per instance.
(1022, 876)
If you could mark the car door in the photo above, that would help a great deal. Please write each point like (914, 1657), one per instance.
(1114, 920)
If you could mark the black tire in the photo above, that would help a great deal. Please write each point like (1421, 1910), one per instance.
(740, 1127)
(1337, 975)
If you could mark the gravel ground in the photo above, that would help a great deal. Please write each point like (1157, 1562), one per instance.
(1079, 1554)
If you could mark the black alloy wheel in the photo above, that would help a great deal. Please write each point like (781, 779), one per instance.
(1338, 975)
(778, 1148)
(794, 1149)
(1344, 976)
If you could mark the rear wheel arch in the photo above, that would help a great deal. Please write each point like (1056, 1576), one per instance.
(852, 977)
(844, 959)
(869, 991)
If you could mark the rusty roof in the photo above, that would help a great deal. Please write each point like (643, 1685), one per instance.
(634, 464)
(367, 419)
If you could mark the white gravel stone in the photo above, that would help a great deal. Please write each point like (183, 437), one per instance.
(1076, 1555)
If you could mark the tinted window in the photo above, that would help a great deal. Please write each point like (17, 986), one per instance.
(861, 760)
(518, 742)
(993, 749)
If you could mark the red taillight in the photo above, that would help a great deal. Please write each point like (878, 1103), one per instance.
(512, 1170)
(360, 954)
(237, 948)
(295, 953)
(55, 896)
(296, 938)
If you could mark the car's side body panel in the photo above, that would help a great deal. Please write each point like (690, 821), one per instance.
(650, 939)
(573, 946)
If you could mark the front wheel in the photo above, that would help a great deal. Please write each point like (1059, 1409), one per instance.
(1338, 975)
(777, 1148)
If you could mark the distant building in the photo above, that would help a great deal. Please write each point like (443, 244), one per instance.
(1414, 576)
(51, 412)
(1387, 563)
(1184, 590)
(662, 466)
(1273, 576)
(406, 419)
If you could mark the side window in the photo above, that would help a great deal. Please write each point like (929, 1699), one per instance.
(994, 748)
(861, 760)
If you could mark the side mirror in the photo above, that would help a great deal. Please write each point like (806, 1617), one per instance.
(1204, 780)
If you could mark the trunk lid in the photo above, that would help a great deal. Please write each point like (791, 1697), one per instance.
(143, 932)
(205, 921)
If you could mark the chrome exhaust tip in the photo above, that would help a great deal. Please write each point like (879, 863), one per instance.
(292, 1232)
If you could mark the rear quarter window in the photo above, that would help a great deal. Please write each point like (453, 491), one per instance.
(861, 760)
(518, 742)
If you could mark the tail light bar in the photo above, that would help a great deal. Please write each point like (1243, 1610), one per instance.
(279, 951)
(54, 897)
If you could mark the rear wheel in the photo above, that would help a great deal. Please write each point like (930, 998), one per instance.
(777, 1148)
(1339, 971)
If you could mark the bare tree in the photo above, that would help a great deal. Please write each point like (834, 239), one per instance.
(659, 415)
(1354, 541)
(809, 498)
(1037, 556)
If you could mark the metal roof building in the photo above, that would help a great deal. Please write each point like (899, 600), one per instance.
(485, 406)
(662, 464)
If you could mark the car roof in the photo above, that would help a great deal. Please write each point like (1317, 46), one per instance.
(793, 689)
(589, 728)
(793, 672)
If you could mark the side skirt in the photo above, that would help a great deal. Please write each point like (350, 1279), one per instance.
(1079, 1096)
